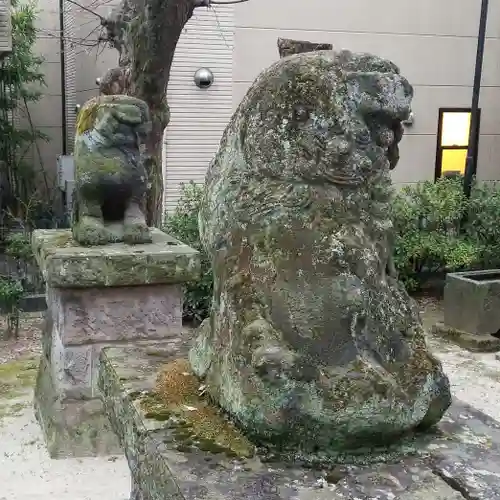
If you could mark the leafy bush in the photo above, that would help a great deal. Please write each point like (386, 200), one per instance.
(183, 224)
(26, 188)
(483, 223)
(427, 218)
(19, 246)
(430, 236)
(11, 293)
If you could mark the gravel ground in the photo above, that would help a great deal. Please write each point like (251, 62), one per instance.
(474, 377)
(28, 342)
(27, 473)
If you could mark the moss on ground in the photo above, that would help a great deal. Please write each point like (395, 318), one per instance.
(16, 379)
(195, 421)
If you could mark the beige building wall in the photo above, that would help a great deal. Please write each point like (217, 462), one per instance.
(433, 42)
(5, 28)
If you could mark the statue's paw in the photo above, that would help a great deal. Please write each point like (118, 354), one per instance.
(269, 353)
(90, 231)
(136, 233)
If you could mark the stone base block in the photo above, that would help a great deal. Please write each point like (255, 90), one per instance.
(460, 459)
(114, 294)
(71, 427)
(115, 314)
(469, 341)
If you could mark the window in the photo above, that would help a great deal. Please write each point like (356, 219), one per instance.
(453, 141)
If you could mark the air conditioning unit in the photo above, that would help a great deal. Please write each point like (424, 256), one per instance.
(69, 189)
(66, 181)
(65, 170)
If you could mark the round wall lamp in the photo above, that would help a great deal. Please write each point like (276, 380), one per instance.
(203, 78)
(411, 119)
(78, 107)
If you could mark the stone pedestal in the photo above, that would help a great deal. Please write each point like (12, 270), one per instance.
(459, 459)
(100, 296)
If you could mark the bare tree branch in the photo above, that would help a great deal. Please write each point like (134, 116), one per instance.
(229, 2)
(145, 34)
(85, 9)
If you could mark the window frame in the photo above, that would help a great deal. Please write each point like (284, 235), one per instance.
(440, 148)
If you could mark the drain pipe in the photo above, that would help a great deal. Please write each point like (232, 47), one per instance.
(471, 162)
(62, 46)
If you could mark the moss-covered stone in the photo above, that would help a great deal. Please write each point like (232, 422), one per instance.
(86, 116)
(66, 264)
(71, 428)
(312, 343)
(164, 466)
(288, 47)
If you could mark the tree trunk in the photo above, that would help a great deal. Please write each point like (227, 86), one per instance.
(145, 33)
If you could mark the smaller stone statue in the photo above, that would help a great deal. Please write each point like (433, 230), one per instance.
(111, 178)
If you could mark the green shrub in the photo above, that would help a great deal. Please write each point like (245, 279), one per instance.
(427, 219)
(483, 223)
(183, 224)
(429, 235)
(11, 293)
(19, 246)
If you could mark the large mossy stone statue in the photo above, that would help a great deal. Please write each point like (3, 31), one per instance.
(313, 344)
(111, 178)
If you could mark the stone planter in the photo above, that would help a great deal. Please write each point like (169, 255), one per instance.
(472, 310)
(472, 302)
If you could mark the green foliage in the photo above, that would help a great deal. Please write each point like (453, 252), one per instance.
(183, 224)
(11, 293)
(21, 82)
(483, 223)
(12, 290)
(430, 234)
(24, 189)
(19, 246)
(427, 219)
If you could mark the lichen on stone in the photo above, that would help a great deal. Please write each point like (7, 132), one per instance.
(86, 116)
(196, 422)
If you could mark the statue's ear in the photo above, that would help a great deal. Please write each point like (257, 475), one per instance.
(128, 114)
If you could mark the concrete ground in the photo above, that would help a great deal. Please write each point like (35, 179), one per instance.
(27, 473)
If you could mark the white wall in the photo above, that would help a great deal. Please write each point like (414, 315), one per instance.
(198, 116)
